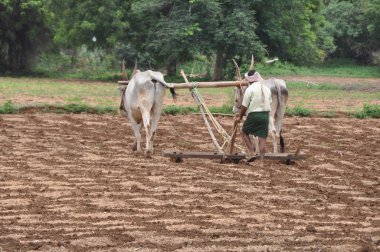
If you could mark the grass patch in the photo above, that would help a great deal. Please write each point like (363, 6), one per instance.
(179, 110)
(298, 111)
(368, 111)
(328, 114)
(225, 109)
(184, 110)
(8, 108)
(68, 108)
(321, 86)
(335, 68)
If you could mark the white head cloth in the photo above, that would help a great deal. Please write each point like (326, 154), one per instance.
(253, 78)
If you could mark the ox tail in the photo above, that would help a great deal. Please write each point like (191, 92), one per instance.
(160, 79)
(173, 93)
(171, 88)
(279, 108)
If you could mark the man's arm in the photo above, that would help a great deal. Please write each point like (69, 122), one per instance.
(243, 110)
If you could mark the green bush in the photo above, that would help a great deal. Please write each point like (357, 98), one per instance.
(8, 108)
(175, 110)
(225, 109)
(372, 111)
(298, 111)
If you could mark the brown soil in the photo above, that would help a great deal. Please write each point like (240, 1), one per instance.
(72, 183)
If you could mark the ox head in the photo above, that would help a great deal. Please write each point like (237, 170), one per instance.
(251, 76)
(239, 91)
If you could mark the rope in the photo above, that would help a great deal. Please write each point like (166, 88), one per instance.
(217, 126)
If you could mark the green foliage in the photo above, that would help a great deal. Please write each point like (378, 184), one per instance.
(355, 27)
(8, 108)
(225, 109)
(372, 111)
(184, 110)
(95, 23)
(298, 111)
(73, 108)
(179, 110)
(23, 31)
(166, 33)
(89, 65)
(290, 30)
(334, 67)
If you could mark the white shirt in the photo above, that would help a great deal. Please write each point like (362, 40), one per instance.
(253, 98)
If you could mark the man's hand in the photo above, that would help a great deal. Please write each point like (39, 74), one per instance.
(237, 118)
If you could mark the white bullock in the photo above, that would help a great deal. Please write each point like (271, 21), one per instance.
(142, 101)
(279, 100)
(278, 105)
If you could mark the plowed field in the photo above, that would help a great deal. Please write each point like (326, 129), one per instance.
(72, 183)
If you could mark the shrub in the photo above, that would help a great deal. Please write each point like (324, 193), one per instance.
(175, 110)
(298, 111)
(225, 109)
(368, 110)
(372, 110)
(8, 108)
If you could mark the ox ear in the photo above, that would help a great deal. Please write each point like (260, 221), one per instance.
(252, 62)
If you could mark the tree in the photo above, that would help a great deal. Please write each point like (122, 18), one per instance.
(234, 35)
(293, 30)
(176, 30)
(23, 31)
(94, 23)
(355, 27)
(173, 32)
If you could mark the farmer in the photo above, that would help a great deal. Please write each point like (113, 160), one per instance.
(256, 103)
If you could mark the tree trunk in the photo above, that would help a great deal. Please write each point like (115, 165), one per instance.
(171, 68)
(218, 65)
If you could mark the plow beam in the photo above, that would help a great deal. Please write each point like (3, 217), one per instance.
(178, 156)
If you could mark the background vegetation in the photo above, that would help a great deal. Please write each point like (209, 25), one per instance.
(54, 36)
(88, 40)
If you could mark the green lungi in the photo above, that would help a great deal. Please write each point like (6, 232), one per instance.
(257, 124)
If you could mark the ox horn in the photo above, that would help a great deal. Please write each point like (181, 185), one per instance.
(124, 75)
(134, 69)
(252, 62)
(237, 72)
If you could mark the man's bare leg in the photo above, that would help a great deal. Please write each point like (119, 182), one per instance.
(248, 143)
(262, 144)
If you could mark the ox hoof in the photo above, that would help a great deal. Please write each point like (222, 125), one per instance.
(148, 153)
(137, 153)
(134, 147)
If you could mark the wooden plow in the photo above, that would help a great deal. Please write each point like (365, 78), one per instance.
(224, 152)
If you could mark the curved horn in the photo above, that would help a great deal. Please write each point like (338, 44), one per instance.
(252, 62)
(237, 73)
(134, 69)
(124, 75)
